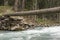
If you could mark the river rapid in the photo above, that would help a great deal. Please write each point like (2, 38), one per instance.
(38, 33)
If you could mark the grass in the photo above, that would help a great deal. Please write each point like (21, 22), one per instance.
(5, 9)
(41, 21)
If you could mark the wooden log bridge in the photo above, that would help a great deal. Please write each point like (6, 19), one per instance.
(34, 12)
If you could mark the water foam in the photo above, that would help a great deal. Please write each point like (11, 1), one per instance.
(46, 32)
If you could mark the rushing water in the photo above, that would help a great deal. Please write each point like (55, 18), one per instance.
(39, 33)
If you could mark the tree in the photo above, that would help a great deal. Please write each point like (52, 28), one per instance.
(16, 5)
(34, 4)
(5, 2)
(23, 4)
(34, 8)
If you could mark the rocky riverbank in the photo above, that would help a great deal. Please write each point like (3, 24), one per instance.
(15, 24)
(9, 23)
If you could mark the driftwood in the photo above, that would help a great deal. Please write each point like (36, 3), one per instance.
(34, 12)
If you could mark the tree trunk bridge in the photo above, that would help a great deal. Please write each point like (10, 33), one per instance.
(35, 12)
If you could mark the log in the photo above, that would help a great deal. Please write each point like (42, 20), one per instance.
(34, 12)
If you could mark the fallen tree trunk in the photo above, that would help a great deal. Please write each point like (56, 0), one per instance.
(34, 12)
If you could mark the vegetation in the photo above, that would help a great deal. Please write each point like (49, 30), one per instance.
(10, 6)
(30, 4)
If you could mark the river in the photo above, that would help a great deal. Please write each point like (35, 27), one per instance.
(38, 33)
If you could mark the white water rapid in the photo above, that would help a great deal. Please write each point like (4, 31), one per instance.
(38, 33)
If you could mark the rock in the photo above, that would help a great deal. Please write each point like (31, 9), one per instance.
(16, 28)
(12, 24)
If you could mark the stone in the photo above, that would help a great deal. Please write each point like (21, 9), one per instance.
(14, 24)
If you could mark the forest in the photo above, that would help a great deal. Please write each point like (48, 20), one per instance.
(43, 19)
(20, 5)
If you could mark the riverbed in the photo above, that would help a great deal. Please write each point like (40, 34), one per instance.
(38, 33)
